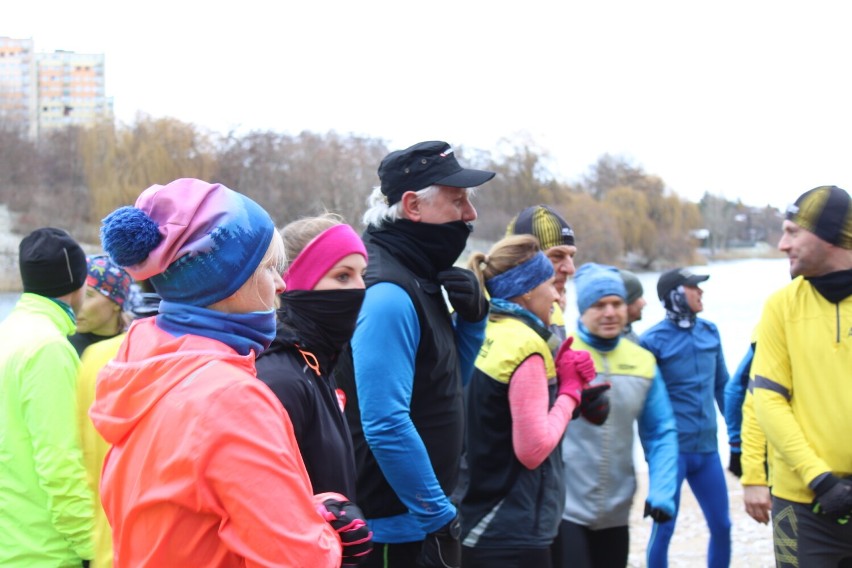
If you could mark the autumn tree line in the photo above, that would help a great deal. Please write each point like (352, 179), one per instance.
(621, 215)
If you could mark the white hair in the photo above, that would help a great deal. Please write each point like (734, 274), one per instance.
(379, 212)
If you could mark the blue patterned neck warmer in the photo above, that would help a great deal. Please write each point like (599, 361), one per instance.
(244, 333)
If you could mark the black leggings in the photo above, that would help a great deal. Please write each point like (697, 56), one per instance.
(505, 557)
(578, 546)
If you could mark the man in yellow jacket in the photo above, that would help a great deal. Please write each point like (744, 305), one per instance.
(46, 508)
(802, 373)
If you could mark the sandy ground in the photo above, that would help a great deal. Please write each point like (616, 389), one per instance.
(752, 542)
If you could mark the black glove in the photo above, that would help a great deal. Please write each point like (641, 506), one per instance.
(442, 548)
(734, 465)
(86, 563)
(657, 514)
(465, 293)
(833, 496)
(594, 404)
(347, 519)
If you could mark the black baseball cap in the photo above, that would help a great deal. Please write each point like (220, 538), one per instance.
(677, 277)
(425, 164)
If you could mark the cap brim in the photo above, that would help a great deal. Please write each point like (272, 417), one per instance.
(466, 178)
(696, 279)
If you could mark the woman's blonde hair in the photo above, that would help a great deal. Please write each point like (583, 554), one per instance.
(506, 253)
(300, 232)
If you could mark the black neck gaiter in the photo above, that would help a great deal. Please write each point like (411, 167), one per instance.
(323, 321)
(834, 286)
(427, 248)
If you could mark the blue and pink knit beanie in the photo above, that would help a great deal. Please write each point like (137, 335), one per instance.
(197, 242)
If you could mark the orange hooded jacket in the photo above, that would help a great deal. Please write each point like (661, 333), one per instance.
(204, 469)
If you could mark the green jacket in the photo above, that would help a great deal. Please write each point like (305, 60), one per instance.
(46, 507)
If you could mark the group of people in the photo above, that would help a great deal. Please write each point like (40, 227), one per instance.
(310, 396)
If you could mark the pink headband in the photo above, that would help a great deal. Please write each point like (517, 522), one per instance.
(323, 252)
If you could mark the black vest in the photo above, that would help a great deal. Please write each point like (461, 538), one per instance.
(437, 407)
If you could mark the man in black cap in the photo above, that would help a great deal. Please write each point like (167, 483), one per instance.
(402, 379)
(47, 514)
(689, 355)
(556, 238)
(802, 373)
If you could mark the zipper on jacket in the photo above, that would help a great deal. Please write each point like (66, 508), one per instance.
(837, 313)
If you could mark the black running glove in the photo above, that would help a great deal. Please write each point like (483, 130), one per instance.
(347, 519)
(735, 466)
(833, 496)
(594, 404)
(656, 513)
(442, 548)
(465, 293)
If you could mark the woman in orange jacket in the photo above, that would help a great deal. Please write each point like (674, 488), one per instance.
(204, 469)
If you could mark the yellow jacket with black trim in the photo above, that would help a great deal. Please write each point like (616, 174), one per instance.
(508, 343)
(802, 396)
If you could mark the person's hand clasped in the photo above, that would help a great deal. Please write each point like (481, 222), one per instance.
(465, 293)
(347, 519)
(574, 370)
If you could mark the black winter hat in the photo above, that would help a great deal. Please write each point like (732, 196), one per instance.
(424, 164)
(52, 263)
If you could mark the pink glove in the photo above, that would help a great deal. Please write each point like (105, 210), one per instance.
(574, 370)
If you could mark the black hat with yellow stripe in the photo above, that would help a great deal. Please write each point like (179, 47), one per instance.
(825, 211)
(545, 224)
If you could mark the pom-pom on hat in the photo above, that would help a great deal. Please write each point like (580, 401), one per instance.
(594, 281)
(197, 242)
(320, 255)
(52, 263)
(826, 212)
(108, 278)
(545, 224)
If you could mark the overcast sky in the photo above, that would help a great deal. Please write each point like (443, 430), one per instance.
(746, 99)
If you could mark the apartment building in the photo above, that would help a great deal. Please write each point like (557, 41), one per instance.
(59, 89)
(18, 87)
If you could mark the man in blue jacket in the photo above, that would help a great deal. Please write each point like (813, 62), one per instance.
(409, 357)
(689, 354)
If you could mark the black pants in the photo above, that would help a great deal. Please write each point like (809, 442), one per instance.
(578, 546)
(402, 555)
(505, 557)
(807, 540)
